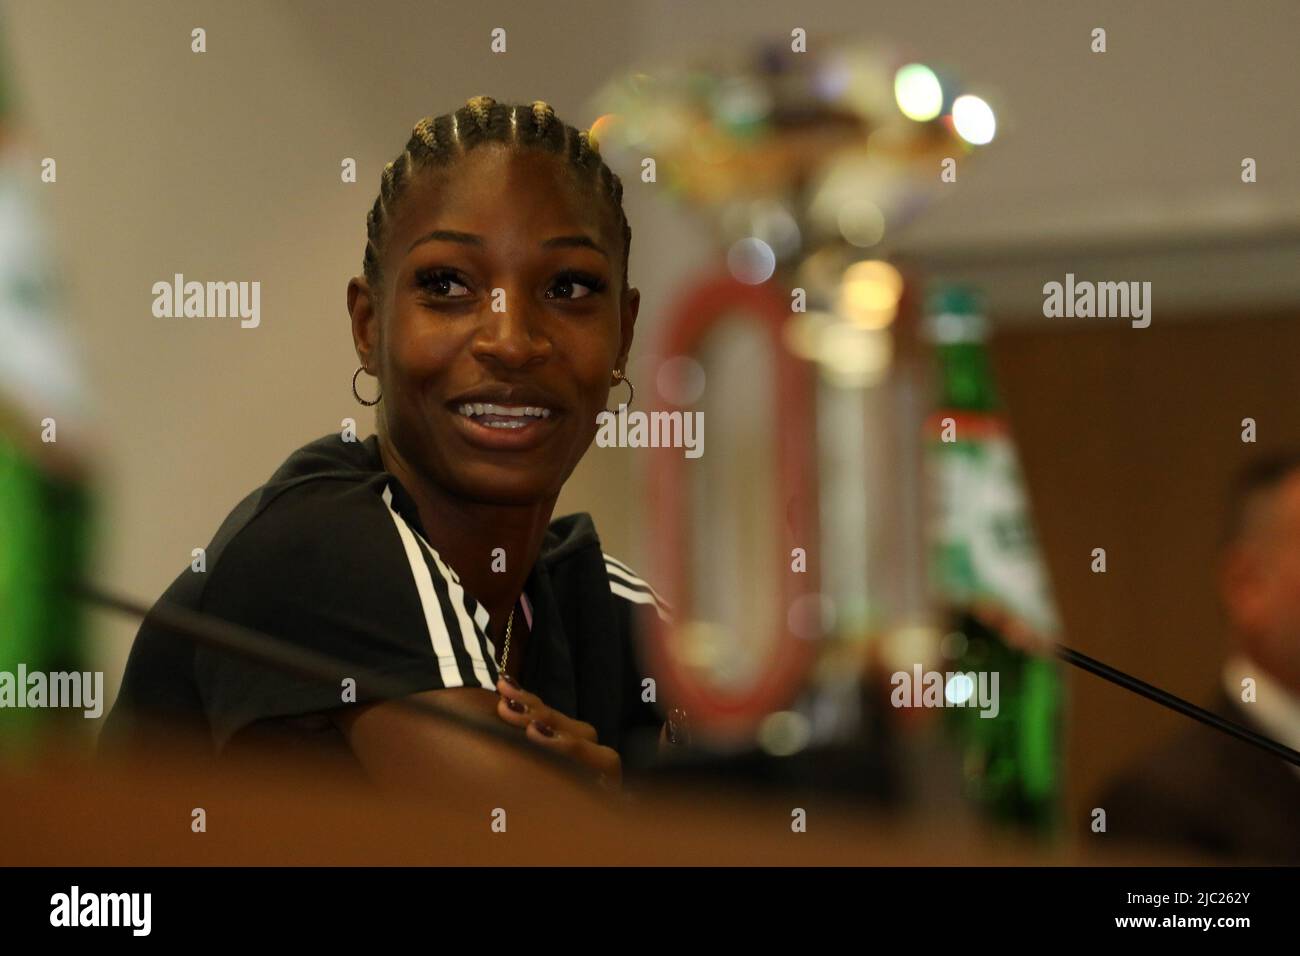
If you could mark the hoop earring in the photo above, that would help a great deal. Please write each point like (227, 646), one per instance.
(621, 378)
(360, 369)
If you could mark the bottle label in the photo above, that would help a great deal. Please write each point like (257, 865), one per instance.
(984, 535)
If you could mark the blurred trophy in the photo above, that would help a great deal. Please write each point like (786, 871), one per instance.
(795, 549)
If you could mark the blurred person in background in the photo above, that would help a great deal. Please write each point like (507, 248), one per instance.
(1204, 791)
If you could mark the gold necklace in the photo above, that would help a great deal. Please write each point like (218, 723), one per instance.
(505, 656)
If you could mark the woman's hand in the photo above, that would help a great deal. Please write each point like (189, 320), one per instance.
(676, 731)
(551, 729)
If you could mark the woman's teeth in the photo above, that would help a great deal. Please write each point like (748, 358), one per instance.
(503, 416)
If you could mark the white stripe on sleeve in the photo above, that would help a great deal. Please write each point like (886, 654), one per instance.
(433, 619)
(469, 636)
(626, 584)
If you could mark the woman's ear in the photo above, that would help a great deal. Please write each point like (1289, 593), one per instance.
(365, 319)
(627, 325)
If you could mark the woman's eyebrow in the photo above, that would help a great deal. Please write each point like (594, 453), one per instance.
(574, 241)
(447, 235)
(470, 239)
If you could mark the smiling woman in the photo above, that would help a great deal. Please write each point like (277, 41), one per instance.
(495, 312)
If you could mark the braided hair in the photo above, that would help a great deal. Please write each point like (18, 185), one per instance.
(439, 141)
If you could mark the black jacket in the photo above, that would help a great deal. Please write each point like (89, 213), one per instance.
(329, 555)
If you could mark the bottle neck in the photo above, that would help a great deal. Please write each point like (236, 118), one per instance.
(965, 371)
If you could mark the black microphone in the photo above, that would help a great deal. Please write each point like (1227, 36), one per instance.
(248, 643)
(1188, 709)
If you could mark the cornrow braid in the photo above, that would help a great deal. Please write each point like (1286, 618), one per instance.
(440, 141)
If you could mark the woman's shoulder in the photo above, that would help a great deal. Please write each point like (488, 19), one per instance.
(575, 535)
(335, 455)
(627, 585)
(326, 491)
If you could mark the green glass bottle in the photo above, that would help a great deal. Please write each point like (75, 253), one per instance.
(984, 550)
(46, 503)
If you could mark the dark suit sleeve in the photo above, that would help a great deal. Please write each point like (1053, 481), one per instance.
(1146, 808)
(1208, 794)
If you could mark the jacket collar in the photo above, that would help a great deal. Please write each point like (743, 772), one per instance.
(564, 536)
